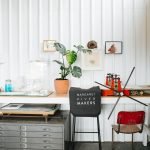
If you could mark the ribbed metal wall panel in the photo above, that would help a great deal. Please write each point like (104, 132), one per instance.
(25, 24)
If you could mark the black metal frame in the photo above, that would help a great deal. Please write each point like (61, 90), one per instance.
(140, 131)
(118, 133)
(77, 110)
(98, 131)
(120, 42)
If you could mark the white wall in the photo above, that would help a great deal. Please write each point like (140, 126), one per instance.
(24, 24)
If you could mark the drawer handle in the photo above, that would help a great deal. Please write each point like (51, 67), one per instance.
(23, 140)
(45, 129)
(45, 141)
(46, 147)
(23, 145)
(23, 134)
(46, 135)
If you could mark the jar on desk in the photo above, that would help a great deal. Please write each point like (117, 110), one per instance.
(8, 86)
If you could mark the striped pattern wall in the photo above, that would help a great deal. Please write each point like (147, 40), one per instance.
(24, 24)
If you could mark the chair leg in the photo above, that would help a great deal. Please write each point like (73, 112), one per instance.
(99, 136)
(73, 131)
(132, 142)
(112, 138)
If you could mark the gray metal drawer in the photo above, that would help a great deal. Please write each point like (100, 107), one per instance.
(10, 139)
(2, 145)
(42, 128)
(30, 146)
(9, 133)
(12, 145)
(41, 140)
(41, 134)
(6, 139)
(9, 127)
(42, 146)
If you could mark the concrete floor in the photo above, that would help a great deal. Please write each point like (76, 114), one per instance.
(108, 146)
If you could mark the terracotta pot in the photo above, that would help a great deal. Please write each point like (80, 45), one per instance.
(61, 86)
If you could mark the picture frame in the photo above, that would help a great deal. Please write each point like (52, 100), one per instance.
(93, 61)
(113, 47)
(48, 45)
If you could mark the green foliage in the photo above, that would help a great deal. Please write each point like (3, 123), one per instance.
(71, 57)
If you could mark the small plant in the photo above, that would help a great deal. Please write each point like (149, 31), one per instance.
(68, 59)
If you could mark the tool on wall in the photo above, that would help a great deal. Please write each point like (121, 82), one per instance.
(119, 91)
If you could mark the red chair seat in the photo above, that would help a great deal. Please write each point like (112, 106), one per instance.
(128, 129)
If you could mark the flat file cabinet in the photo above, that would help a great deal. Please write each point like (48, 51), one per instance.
(35, 134)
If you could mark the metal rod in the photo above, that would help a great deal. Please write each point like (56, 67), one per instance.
(107, 87)
(128, 78)
(136, 100)
(112, 137)
(132, 142)
(120, 95)
(114, 107)
(99, 136)
(120, 92)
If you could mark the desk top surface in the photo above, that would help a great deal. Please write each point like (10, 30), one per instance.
(64, 99)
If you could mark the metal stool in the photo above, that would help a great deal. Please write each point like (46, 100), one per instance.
(85, 103)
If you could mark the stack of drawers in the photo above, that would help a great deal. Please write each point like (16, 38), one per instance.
(17, 136)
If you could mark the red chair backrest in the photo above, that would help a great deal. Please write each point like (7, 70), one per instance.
(134, 117)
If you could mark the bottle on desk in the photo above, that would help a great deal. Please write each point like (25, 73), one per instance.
(8, 86)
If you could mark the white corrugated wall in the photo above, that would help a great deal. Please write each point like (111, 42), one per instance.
(24, 24)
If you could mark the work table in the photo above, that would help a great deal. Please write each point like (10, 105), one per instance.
(107, 103)
(64, 99)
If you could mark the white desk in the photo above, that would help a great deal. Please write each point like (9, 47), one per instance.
(63, 99)
(107, 102)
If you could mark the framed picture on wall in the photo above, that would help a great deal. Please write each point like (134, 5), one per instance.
(92, 61)
(113, 47)
(48, 46)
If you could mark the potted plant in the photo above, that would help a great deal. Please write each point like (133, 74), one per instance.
(68, 58)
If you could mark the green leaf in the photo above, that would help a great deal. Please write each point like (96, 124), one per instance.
(71, 56)
(79, 47)
(82, 49)
(62, 68)
(86, 51)
(59, 62)
(60, 48)
(76, 72)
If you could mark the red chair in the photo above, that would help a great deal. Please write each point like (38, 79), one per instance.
(129, 123)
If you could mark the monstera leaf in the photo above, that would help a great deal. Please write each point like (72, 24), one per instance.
(58, 62)
(71, 57)
(60, 47)
(76, 72)
(80, 48)
(68, 58)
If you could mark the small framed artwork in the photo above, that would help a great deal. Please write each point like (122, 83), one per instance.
(113, 47)
(92, 61)
(48, 45)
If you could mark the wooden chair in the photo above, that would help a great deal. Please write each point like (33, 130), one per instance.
(85, 103)
(129, 123)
